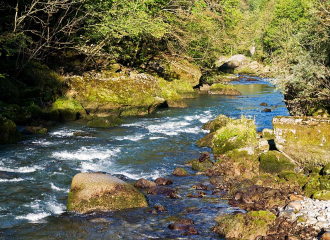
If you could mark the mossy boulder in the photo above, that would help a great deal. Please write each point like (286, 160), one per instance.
(67, 110)
(275, 162)
(108, 122)
(102, 192)
(240, 133)
(245, 226)
(9, 132)
(322, 195)
(224, 89)
(305, 139)
(219, 122)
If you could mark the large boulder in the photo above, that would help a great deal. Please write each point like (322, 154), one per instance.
(9, 132)
(305, 139)
(66, 110)
(102, 192)
(229, 65)
(124, 92)
(237, 134)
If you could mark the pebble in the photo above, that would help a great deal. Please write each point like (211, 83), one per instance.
(316, 212)
(295, 205)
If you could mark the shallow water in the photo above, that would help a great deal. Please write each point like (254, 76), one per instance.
(35, 175)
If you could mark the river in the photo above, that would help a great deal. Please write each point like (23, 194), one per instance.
(35, 174)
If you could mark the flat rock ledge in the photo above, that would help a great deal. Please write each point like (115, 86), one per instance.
(102, 192)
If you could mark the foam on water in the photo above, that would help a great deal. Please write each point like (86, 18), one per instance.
(168, 128)
(43, 143)
(133, 138)
(22, 169)
(52, 185)
(153, 175)
(63, 133)
(86, 154)
(34, 217)
(153, 138)
(12, 180)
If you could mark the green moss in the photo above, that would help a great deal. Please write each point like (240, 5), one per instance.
(236, 134)
(219, 122)
(247, 70)
(9, 132)
(224, 89)
(108, 122)
(206, 141)
(312, 186)
(274, 162)
(123, 198)
(201, 166)
(288, 175)
(326, 170)
(268, 134)
(322, 195)
(245, 226)
(68, 109)
(305, 139)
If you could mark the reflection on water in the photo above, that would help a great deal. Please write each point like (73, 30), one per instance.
(35, 175)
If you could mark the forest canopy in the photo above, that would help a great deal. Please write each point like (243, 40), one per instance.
(291, 36)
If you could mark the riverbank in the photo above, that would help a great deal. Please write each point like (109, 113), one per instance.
(101, 97)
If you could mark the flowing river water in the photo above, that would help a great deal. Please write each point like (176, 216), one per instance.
(35, 174)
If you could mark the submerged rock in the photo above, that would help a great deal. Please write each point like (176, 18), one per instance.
(182, 224)
(108, 122)
(163, 181)
(264, 104)
(102, 192)
(224, 89)
(9, 132)
(166, 191)
(191, 231)
(34, 130)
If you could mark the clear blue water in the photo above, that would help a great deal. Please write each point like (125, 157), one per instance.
(35, 174)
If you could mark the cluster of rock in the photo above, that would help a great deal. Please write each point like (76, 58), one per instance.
(268, 183)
